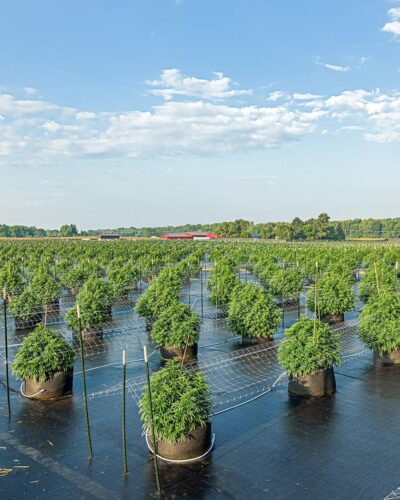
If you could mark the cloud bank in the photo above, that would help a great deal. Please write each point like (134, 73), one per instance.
(196, 117)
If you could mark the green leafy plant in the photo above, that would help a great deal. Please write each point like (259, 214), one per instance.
(123, 280)
(11, 280)
(333, 294)
(43, 353)
(94, 300)
(45, 285)
(286, 283)
(176, 326)
(162, 293)
(308, 346)
(378, 277)
(26, 305)
(222, 281)
(181, 402)
(380, 323)
(251, 312)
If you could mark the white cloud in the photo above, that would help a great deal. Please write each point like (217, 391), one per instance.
(333, 67)
(85, 115)
(34, 131)
(173, 83)
(305, 97)
(276, 96)
(338, 68)
(30, 91)
(394, 13)
(393, 26)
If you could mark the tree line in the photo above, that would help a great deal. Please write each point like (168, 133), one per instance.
(319, 228)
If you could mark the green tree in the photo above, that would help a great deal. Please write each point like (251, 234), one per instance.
(68, 230)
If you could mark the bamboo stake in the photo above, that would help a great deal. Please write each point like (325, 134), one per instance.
(153, 435)
(123, 412)
(78, 313)
(6, 350)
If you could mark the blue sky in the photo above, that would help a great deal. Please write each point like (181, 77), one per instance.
(159, 112)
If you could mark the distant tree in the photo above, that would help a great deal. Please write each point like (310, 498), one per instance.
(283, 231)
(297, 228)
(68, 230)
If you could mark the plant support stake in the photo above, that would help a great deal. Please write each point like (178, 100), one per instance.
(153, 434)
(78, 312)
(6, 350)
(123, 411)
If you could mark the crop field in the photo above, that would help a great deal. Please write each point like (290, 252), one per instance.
(157, 339)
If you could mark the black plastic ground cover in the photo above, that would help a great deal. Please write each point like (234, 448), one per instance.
(344, 446)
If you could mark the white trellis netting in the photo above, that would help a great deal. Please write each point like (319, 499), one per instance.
(238, 377)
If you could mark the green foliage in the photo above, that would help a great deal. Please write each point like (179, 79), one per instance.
(176, 326)
(11, 280)
(43, 353)
(46, 286)
(181, 402)
(334, 295)
(222, 281)
(94, 300)
(251, 312)
(68, 230)
(286, 283)
(162, 293)
(378, 277)
(308, 346)
(123, 280)
(73, 279)
(26, 305)
(380, 323)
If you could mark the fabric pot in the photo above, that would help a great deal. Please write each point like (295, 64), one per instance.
(179, 354)
(387, 358)
(248, 341)
(58, 386)
(333, 319)
(322, 383)
(196, 444)
(26, 324)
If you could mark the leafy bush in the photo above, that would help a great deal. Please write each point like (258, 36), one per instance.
(181, 402)
(45, 285)
(251, 312)
(334, 295)
(308, 346)
(176, 326)
(94, 300)
(26, 305)
(74, 279)
(123, 280)
(222, 281)
(286, 284)
(11, 280)
(380, 323)
(162, 293)
(378, 277)
(43, 353)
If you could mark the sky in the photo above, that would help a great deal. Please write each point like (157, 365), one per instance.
(118, 113)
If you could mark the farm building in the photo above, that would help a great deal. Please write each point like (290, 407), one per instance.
(108, 236)
(197, 235)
